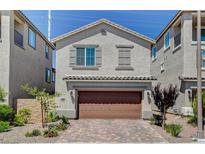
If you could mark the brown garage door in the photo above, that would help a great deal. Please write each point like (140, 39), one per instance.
(109, 104)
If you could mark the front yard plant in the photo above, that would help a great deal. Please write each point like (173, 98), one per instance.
(193, 118)
(18, 120)
(50, 132)
(25, 114)
(6, 113)
(65, 120)
(46, 100)
(4, 126)
(35, 132)
(173, 129)
(164, 98)
(2, 94)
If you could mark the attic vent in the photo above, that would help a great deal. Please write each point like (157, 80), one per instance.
(103, 32)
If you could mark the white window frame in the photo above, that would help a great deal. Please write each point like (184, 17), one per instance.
(85, 57)
(165, 48)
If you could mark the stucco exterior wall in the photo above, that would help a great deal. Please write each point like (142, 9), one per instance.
(140, 61)
(23, 65)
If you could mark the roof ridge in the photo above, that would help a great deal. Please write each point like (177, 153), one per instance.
(102, 20)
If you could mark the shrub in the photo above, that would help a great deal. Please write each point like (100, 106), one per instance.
(4, 126)
(173, 129)
(35, 132)
(6, 113)
(52, 117)
(29, 134)
(50, 132)
(2, 94)
(192, 120)
(65, 120)
(25, 113)
(61, 126)
(18, 120)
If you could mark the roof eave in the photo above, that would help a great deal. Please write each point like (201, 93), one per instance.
(35, 28)
(99, 22)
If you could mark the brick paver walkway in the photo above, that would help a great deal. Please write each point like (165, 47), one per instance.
(110, 131)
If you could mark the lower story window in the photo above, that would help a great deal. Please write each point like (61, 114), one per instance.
(48, 75)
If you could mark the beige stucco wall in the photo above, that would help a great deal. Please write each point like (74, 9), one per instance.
(26, 65)
(140, 61)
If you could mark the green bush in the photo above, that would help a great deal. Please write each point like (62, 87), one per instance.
(192, 120)
(29, 134)
(65, 120)
(6, 113)
(2, 94)
(4, 126)
(35, 132)
(50, 132)
(52, 117)
(61, 126)
(25, 113)
(18, 120)
(173, 129)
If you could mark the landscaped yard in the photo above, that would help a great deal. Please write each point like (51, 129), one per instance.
(105, 131)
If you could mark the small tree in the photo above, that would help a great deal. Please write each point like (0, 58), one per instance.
(164, 99)
(46, 100)
(2, 94)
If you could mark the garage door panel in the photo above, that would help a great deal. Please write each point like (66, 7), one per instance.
(109, 104)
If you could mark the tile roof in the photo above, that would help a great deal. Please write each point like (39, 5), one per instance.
(189, 78)
(79, 77)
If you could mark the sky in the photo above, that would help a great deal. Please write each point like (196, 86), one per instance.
(147, 22)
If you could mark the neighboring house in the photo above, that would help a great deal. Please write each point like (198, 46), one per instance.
(174, 58)
(103, 71)
(26, 56)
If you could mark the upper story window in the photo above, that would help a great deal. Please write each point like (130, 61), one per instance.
(167, 40)
(154, 53)
(177, 35)
(85, 57)
(46, 51)
(53, 76)
(48, 75)
(32, 38)
(203, 34)
(18, 33)
(203, 59)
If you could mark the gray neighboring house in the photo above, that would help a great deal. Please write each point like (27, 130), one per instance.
(103, 71)
(26, 56)
(174, 58)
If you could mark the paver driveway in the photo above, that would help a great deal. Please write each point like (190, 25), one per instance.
(110, 131)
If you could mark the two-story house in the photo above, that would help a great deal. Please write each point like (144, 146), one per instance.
(174, 58)
(103, 71)
(26, 56)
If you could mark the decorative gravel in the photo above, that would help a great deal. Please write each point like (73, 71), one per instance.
(188, 134)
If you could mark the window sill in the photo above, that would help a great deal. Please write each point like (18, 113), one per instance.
(32, 47)
(165, 49)
(85, 68)
(124, 68)
(176, 48)
(195, 42)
